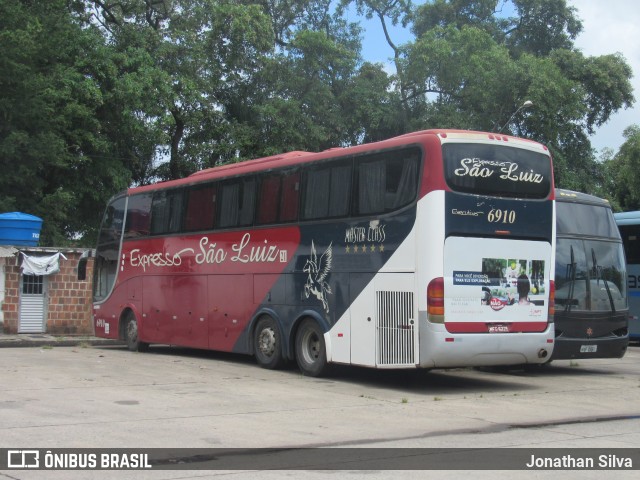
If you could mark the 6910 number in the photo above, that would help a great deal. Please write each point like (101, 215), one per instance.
(501, 216)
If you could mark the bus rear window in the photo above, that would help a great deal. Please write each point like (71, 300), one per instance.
(496, 170)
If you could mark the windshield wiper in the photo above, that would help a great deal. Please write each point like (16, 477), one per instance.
(598, 269)
(571, 269)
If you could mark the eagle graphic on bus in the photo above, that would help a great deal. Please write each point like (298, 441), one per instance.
(317, 271)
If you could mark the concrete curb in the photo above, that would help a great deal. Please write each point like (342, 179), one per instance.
(44, 340)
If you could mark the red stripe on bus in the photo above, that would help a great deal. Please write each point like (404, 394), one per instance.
(481, 327)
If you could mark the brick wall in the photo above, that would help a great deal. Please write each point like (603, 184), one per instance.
(68, 309)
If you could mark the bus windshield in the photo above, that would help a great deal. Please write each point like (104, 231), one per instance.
(590, 264)
(590, 275)
(497, 170)
(106, 266)
(586, 220)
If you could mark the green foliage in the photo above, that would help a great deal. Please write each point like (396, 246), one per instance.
(50, 135)
(98, 95)
(541, 27)
(472, 68)
(623, 170)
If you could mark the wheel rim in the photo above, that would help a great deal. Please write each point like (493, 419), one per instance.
(267, 342)
(310, 347)
(132, 331)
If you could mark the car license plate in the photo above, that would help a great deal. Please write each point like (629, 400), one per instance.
(588, 348)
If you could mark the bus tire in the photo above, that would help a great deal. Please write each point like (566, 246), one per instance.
(267, 343)
(131, 334)
(311, 352)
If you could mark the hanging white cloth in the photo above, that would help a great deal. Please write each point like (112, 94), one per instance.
(41, 265)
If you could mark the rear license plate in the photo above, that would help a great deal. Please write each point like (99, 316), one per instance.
(498, 329)
(588, 348)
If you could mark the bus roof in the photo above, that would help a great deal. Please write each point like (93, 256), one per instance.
(627, 218)
(570, 196)
(462, 135)
(293, 158)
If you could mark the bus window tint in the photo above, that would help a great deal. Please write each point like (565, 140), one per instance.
(571, 274)
(237, 203)
(631, 239)
(138, 216)
(327, 191)
(585, 220)
(107, 261)
(268, 200)
(166, 211)
(606, 264)
(201, 208)
(112, 222)
(496, 170)
(290, 197)
(387, 181)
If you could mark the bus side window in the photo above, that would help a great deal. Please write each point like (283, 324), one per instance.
(630, 235)
(138, 216)
(386, 181)
(402, 179)
(166, 211)
(237, 202)
(268, 200)
(278, 198)
(327, 190)
(200, 211)
(290, 197)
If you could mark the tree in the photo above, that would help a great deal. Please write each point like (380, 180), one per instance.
(471, 67)
(204, 51)
(99, 95)
(389, 12)
(57, 162)
(622, 170)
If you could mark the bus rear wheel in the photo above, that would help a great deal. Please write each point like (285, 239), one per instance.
(131, 334)
(267, 344)
(311, 352)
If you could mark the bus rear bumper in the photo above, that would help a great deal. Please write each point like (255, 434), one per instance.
(441, 349)
(581, 348)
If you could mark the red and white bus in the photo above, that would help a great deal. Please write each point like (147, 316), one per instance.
(432, 249)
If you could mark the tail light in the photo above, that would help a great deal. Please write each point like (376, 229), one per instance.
(435, 300)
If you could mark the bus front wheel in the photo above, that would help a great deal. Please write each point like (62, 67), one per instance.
(311, 352)
(267, 344)
(131, 334)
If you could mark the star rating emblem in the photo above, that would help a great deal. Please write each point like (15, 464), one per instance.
(372, 248)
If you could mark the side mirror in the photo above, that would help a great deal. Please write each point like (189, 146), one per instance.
(82, 265)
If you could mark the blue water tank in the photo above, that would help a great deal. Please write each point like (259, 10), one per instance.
(19, 229)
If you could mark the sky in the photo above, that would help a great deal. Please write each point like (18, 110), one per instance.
(609, 26)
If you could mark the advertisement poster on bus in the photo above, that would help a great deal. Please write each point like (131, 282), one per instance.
(494, 280)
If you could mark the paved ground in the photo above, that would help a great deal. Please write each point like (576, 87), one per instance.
(102, 396)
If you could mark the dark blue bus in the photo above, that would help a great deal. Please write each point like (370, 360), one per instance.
(591, 316)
